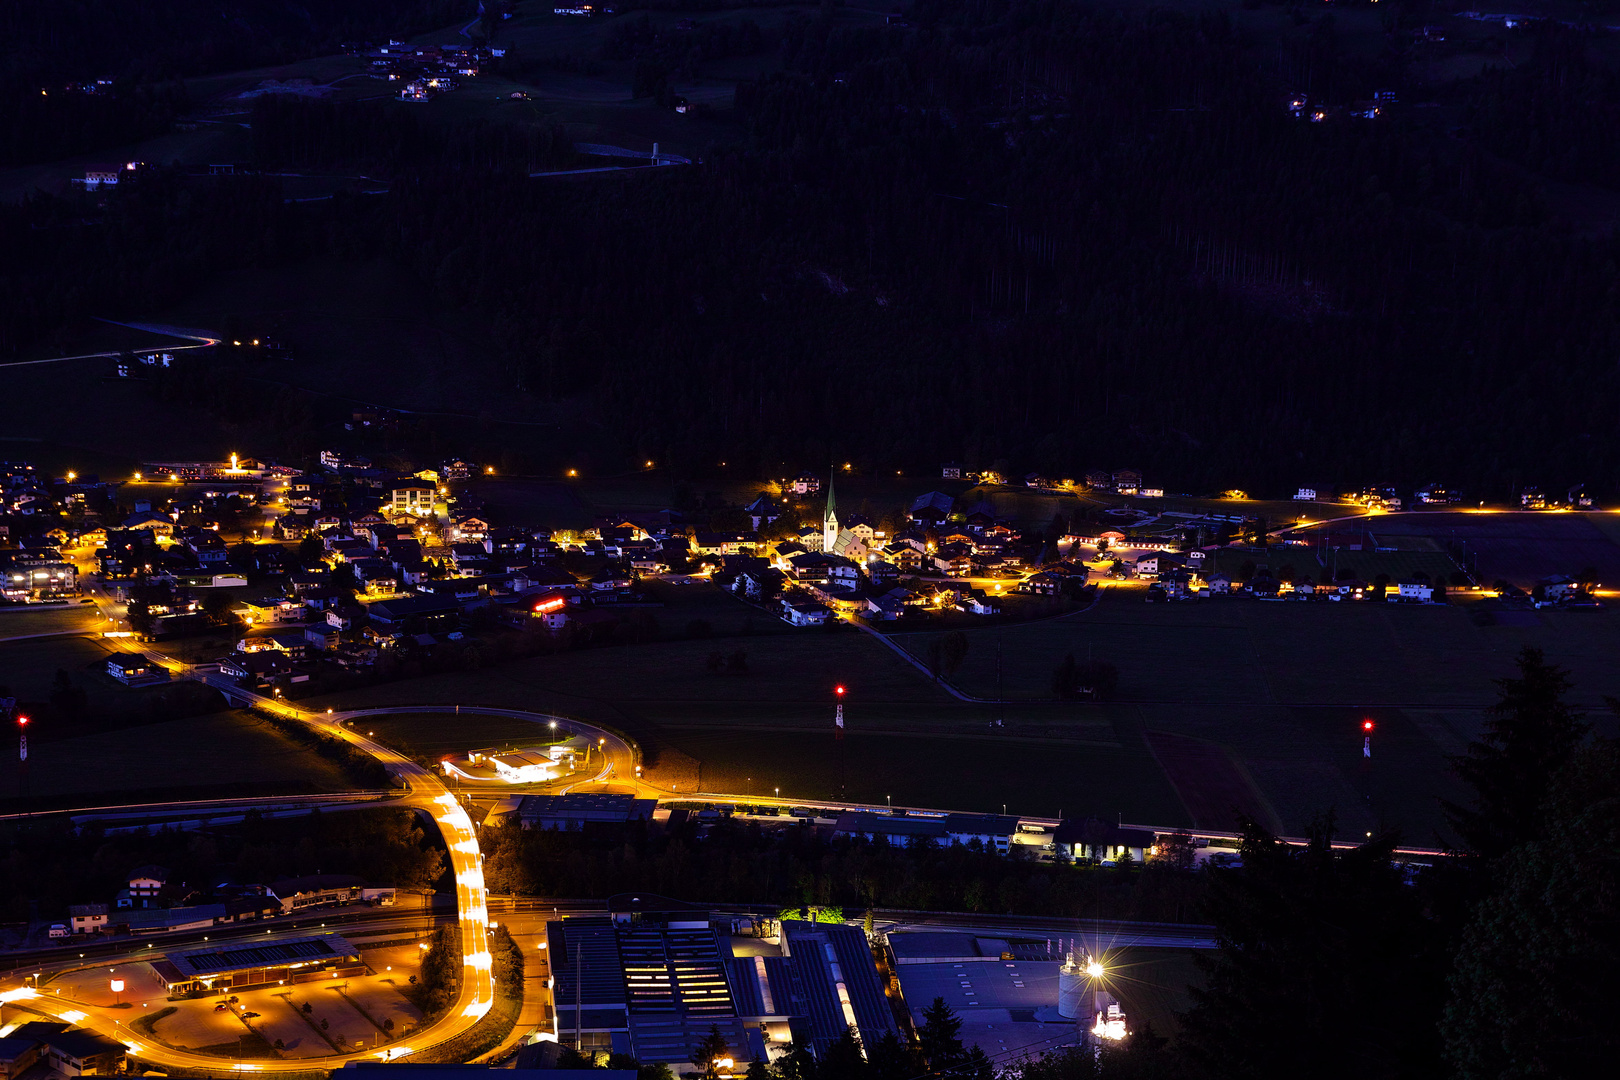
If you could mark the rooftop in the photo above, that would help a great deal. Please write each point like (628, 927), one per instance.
(203, 963)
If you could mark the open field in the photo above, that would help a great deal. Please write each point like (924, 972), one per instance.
(23, 621)
(968, 771)
(437, 734)
(1225, 707)
(1241, 651)
(216, 751)
(29, 667)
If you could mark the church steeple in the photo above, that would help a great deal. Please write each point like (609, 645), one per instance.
(829, 522)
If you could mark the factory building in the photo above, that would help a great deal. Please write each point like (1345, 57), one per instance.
(653, 984)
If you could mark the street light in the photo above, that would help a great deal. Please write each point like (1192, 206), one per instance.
(118, 991)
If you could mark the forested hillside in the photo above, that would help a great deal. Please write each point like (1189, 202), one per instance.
(1041, 234)
(141, 48)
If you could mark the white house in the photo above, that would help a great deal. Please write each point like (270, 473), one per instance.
(1413, 592)
(88, 918)
(800, 614)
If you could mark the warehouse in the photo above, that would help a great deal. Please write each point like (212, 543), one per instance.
(291, 960)
(653, 984)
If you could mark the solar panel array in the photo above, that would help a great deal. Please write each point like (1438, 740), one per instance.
(270, 954)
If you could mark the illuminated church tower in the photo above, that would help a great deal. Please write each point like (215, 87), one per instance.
(829, 523)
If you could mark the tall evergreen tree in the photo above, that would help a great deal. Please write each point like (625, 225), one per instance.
(941, 1036)
(1326, 967)
(844, 1060)
(1533, 993)
(893, 1058)
(1532, 733)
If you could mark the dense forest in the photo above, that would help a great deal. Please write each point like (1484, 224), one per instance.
(1033, 233)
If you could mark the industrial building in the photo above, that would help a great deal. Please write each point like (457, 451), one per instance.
(291, 960)
(994, 832)
(653, 984)
(1005, 992)
(572, 812)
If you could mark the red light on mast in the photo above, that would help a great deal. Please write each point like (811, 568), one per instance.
(839, 691)
(1366, 725)
(21, 720)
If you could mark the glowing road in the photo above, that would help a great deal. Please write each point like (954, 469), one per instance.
(476, 993)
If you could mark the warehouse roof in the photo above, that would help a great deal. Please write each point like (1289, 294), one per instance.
(201, 963)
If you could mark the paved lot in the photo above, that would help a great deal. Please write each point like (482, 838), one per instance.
(352, 1008)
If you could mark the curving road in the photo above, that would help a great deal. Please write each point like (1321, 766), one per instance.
(477, 989)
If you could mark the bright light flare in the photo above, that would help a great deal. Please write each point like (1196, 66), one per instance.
(1095, 970)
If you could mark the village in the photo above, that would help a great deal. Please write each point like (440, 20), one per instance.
(347, 566)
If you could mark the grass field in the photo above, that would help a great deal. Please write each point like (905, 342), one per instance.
(29, 668)
(968, 771)
(1239, 651)
(434, 735)
(18, 621)
(217, 751)
(1276, 691)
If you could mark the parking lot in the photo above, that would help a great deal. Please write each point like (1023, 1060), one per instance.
(357, 1010)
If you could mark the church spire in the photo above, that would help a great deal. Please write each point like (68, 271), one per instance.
(829, 522)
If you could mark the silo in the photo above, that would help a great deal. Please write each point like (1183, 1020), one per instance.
(1072, 985)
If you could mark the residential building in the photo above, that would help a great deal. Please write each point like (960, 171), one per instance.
(134, 669)
(1412, 592)
(146, 883)
(415, 500)
(70, 1051)
(803, 614)
(805, 484)
(88, 918)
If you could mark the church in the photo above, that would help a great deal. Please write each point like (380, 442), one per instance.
(838, 541)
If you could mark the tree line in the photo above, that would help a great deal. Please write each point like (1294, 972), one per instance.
(48, 864)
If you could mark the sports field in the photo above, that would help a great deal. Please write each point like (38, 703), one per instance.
(1520, 547)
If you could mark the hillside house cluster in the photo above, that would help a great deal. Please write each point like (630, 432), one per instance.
(441, 64)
